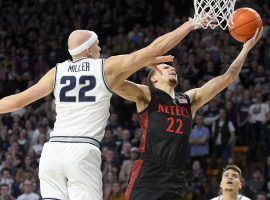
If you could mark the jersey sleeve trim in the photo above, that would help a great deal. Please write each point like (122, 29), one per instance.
(189, 104)
(77, 60)
(103, 76)
(55, 77)
(187, 98)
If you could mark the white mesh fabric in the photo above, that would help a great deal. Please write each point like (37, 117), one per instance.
(217, 12)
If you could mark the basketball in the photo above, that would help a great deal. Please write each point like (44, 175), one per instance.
(244, 23)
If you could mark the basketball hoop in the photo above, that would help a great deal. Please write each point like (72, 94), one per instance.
(217, 13)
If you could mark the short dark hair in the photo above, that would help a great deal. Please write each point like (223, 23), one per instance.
(234, 168)
(3, 185)
(149, 82)
(5, 169)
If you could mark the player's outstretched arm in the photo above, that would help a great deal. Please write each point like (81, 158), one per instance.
(200, 96)
(119, 68)
(17, 101)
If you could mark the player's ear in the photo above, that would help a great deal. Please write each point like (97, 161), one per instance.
(89, 52)
(154, 79)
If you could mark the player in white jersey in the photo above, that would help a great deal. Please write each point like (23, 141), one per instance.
(70, 162)
(230, 184)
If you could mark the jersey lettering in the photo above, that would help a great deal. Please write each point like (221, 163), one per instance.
(173, 110)
(172, 122)
(85, 66)
(88, 81)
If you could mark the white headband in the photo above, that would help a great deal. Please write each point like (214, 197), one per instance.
(84, 45)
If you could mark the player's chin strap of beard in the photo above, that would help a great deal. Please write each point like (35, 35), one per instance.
(84, 45)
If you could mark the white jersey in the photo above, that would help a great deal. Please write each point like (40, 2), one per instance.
(240, 197)
(82, 99)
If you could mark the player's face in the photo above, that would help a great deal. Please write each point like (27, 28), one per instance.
(230, 181)
(166, 74)
(95, 50)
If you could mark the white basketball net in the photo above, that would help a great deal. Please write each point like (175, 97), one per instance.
(217, 12)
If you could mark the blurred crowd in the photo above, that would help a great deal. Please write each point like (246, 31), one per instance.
(231, 128)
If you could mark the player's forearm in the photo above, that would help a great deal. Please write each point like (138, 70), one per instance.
(237, 65)
(166, 42)
(9, 104)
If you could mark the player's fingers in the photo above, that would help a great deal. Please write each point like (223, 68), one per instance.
(256, 33)
(260, 33)
(163, 59)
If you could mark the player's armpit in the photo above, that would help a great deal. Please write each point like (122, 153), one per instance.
(131, 91)
(17, 101)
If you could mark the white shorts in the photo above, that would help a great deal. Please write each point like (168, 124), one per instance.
(70, 171)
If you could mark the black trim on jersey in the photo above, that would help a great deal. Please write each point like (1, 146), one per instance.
(76, 137)
(55, 75)
(103, 76)
(189, 103)
(77, 143)
(187, 98)
(78, 59)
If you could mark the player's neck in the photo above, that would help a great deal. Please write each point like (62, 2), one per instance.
(168, 89)
(229, 196)
(78, 57)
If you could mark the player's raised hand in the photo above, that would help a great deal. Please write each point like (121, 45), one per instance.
(204, 22)
(252, 41)
(158, 60)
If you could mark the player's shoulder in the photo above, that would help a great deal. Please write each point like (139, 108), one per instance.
(145, 88)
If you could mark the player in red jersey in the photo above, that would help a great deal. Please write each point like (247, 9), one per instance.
(165, 118)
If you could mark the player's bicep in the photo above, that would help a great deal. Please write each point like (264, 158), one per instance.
(119, 68)
(130, 91)
(209, 90)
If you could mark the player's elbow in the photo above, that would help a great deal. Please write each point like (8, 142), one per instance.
(16, 105)
(229, 76)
